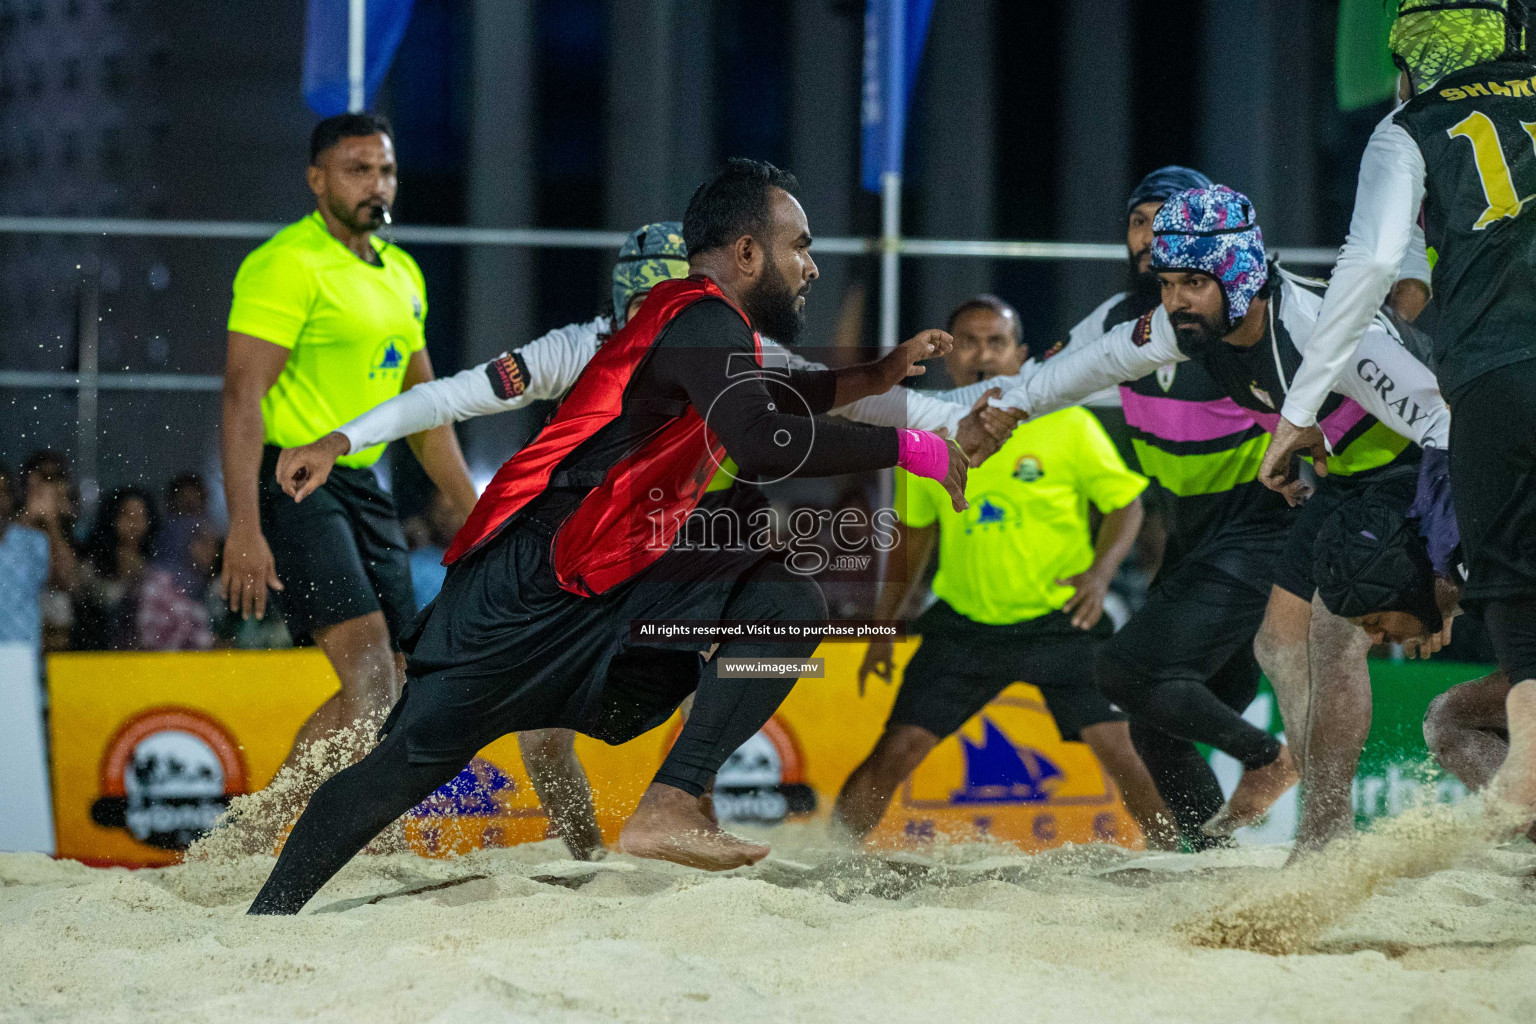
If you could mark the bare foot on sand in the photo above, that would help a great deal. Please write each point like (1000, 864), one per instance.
(670, 825)
(1514, 786)
(586, 844)
(1255, 792)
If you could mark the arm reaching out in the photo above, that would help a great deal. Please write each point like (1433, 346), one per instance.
(1381, 234)
(543, 369)
(979, 428)
(1128, 352)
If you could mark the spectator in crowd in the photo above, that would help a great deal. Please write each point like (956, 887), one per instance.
(117, 557)
(429, 535)
(49, 505)
(23, 571)
(172, 611)
(186, 495)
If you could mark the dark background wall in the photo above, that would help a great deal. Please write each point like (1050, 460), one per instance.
(1029, 120)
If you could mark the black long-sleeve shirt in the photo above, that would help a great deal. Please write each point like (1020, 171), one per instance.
(765, 417)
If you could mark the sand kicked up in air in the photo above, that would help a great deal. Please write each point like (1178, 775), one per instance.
(962, 932)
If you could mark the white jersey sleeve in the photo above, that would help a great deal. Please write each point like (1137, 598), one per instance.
(553, 362)
(1416, 262)
(898, 407)
(1090, 329)
(1128, 352)
(1391, 384)
(1387, 200)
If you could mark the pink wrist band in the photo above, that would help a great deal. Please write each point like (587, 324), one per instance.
(922, 453)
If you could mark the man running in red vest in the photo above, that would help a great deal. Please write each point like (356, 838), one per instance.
(572, 542)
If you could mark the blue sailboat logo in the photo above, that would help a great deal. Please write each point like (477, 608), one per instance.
(389, 357)
(997, 772)
(480, 790)
(988, 515)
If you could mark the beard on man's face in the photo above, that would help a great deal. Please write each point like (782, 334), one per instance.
(1145, 290)
(1198, 335)
(771, 305)
(365, 216)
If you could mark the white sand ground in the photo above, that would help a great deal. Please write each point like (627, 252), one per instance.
(962, 933)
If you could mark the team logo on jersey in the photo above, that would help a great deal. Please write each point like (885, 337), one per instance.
(1261, 394)
(1165, 376)
(416, 307)
(388, 358)
(1028, 469)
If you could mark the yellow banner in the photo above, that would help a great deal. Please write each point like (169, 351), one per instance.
(147, 749)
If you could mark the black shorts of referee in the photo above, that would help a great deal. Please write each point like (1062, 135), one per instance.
(962, 665)
(1493, 486)
(341, 552)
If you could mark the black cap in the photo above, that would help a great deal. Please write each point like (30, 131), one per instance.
(1368, 557)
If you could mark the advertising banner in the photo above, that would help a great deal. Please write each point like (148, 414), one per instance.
(147, 750)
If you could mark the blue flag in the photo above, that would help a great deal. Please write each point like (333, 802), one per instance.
(894, 32)
(326, 87)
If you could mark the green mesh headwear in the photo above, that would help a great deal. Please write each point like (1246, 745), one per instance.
(650, 255)
(1432, 38)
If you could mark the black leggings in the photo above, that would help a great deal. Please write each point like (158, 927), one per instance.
(1182, 775)
(357, 803)
(1186, 708)
(727, 712)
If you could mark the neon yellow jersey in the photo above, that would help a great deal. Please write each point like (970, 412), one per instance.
(352, 328)
(1028, 522)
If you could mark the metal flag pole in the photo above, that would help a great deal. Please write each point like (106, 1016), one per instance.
(895, 55)
(357, 28)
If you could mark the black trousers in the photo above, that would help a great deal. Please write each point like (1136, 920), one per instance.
(1183, 670)
(357, 803)
(1493, 484)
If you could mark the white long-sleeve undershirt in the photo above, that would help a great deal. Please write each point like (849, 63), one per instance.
(555, 360)
(1383, 376)
(1383, 230)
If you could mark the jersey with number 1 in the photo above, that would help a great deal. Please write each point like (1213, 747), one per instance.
(1476, 130)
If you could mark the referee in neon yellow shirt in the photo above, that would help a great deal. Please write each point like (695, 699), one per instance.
(1020, 588)
(327, 322)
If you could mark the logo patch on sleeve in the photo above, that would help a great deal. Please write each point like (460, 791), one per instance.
(508, 379)
(1142, 332)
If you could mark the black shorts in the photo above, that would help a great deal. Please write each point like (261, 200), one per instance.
(340, 553)
(1294, 570)
(503, 648)
(1493, 482)
(1197, 620)
(962, 665)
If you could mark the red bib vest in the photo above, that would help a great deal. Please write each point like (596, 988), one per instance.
(631, 518)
